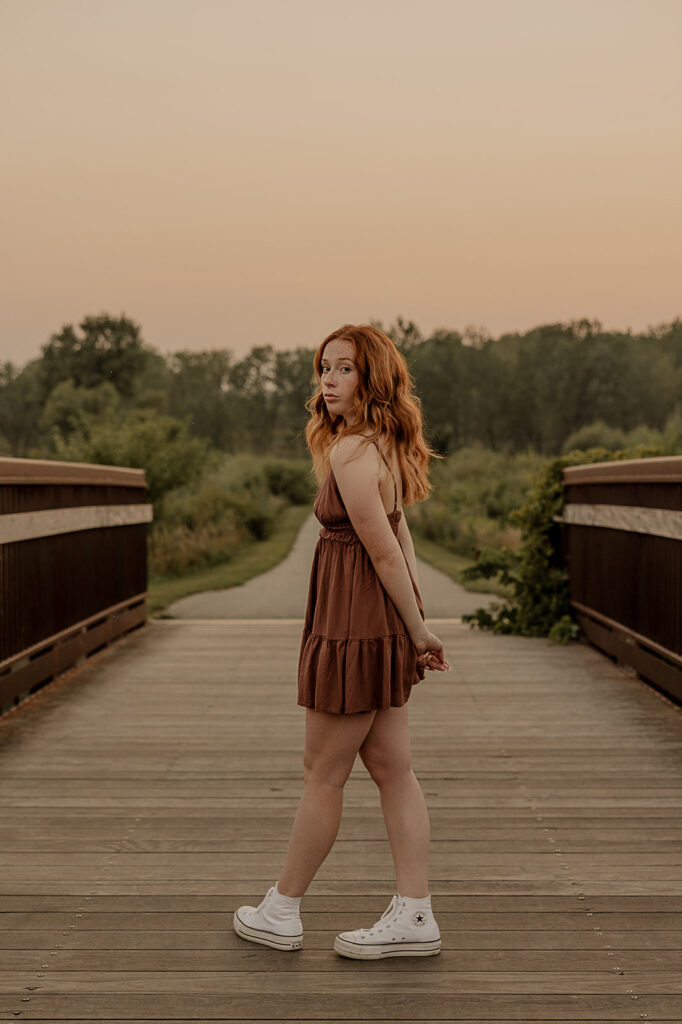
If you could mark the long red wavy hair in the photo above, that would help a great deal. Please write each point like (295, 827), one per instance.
(385, 404)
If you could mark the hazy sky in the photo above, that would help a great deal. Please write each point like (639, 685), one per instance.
(239, 172)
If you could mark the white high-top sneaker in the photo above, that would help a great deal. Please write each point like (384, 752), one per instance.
(406, 928)
(271, 923)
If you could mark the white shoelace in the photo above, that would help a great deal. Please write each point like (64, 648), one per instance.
(388, 914)
(265, 898)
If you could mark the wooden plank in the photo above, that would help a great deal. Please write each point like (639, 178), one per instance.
(318, 947)
(500, 903)
(372, 855)
(358, 887)
(425, 982)
(338, 920)
(553, 783)
(387, 1004)
(83, 842)
(45, 941)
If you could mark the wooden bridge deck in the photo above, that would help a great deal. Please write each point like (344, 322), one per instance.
(148, 795)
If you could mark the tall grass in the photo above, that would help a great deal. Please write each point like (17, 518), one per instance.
(236, 502)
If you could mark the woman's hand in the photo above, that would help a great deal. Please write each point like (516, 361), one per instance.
(430, 652)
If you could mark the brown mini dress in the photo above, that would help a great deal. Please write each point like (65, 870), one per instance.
(356, 654)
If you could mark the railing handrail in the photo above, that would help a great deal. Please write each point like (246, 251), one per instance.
(47, 471)
(658, 469)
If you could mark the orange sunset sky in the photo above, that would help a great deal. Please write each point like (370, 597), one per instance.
(231, 173)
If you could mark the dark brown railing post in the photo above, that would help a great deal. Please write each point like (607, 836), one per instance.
(622, 543)
(73, 566)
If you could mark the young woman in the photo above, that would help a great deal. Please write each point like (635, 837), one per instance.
(365, 643)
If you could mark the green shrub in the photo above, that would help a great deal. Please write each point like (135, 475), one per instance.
(203, 523)
(484, 482)
(257, 516)
(672, 432)
(540, 603)
(475, 491)
(174, 550)
(435, 521)
(290, 478)
(161, 445)
(595, 435)
(194, 509)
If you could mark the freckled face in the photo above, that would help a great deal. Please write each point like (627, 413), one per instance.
(339, 376)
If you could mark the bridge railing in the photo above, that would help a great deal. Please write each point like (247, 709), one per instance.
(622, 542)
(73, 566)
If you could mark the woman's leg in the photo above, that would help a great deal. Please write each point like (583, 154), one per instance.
(386, 755)
(331, 744)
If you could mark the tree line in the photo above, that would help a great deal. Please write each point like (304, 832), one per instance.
(532, 390)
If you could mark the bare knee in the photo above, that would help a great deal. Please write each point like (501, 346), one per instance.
(385, 770)
(321, 772)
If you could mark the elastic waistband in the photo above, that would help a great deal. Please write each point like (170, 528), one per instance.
(347, 534)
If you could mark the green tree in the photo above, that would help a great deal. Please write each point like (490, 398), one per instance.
(21, 396)
(161, 445)
(253, 399)
(108, 349)
(198, 393)
(70, 408)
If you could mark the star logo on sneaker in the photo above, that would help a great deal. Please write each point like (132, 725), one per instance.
(419, 918)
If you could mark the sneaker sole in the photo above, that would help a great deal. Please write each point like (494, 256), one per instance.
(364, 951)
(245, 931)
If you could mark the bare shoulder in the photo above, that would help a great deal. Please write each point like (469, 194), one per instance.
(353, 449)
(356, 468)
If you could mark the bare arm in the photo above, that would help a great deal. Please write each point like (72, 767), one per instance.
(405, 539)
(357, 471)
